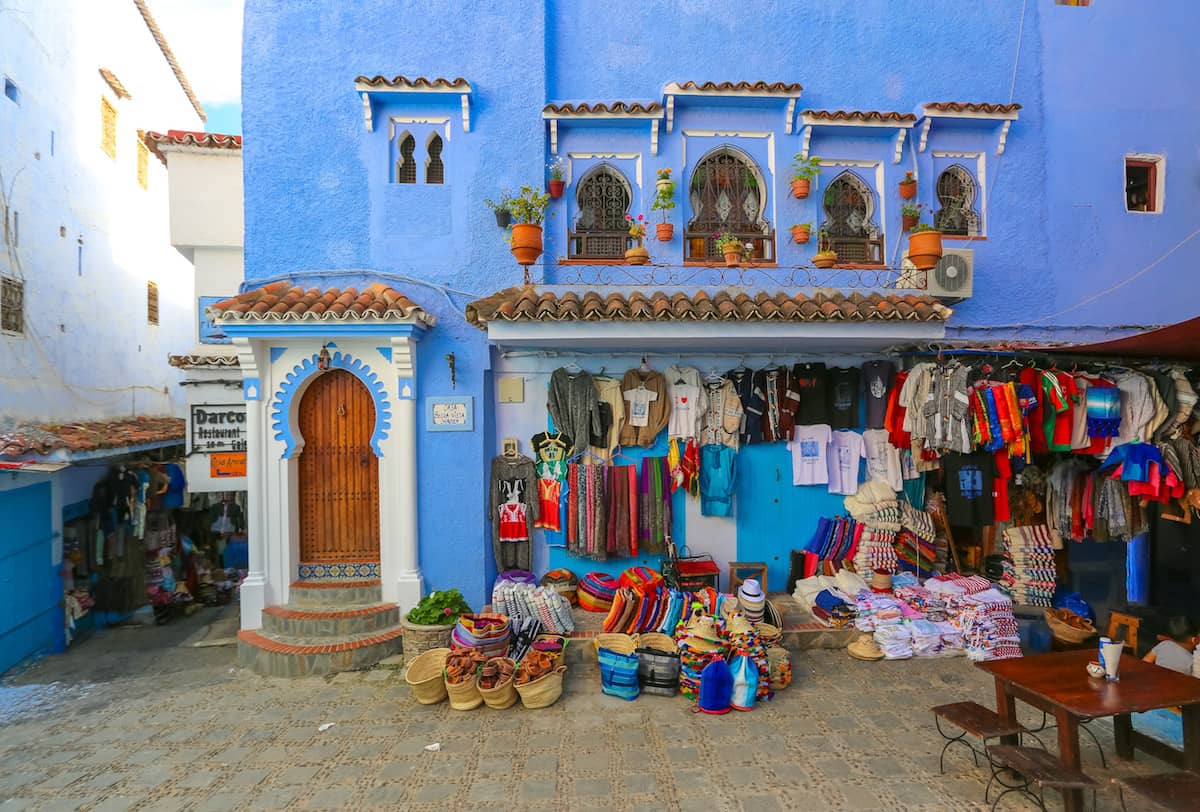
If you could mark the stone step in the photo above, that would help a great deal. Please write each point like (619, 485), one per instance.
(335, 594)
(329, 621)
(289, 656)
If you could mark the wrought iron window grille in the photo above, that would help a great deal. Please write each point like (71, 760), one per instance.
(406, 168)
(601, 231)
(728, 196)
(435, 170)
(956, 193)
(12, 305)
(850, 228)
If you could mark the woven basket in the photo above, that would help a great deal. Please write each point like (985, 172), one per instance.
(543, 691)
(563, 640)
(1065, 632)
(622, 643)
(780, 667)
(424, 676)
(658, 642)
(418, 639)
(771, 635)
(465, 695)
(503, 695)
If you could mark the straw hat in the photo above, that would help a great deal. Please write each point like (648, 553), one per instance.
(738, 624)
(881, 581)
(704, 634)
(865, 648)
(750, 592)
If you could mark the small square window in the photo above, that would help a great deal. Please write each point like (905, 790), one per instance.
(108, 128)
(1143, 183)
(1072, 2)
(12, 305)
(12, 91)
(151, 303)
(143, 166)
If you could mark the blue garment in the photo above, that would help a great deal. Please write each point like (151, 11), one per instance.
(173, 498)
(716, 480)
(1137, 458)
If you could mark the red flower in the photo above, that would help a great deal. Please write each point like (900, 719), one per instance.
(446, 610)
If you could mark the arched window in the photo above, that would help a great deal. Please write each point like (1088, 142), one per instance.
(850, 227)
(603, 196)
(406, 169)
(727, 193)
(956, 194)
(435, 171)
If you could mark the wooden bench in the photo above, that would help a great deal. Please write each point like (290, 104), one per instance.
(1039, 768)
(975, 720)
(1174, 791)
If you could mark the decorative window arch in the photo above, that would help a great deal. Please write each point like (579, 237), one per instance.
(435, 170)
(406, 167)
(957, 192)
(728, 194)
(603, 196)
(850, 227)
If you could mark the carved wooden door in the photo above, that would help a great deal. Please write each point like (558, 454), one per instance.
(339, 473)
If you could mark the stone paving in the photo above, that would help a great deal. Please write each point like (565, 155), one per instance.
(142, 719)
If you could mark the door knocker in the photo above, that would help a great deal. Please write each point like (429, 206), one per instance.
(341, 410)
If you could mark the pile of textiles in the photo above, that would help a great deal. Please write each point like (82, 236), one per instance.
(830, 598)
(894, 640)
(634, 611)
(930, 639)
(876, 609)
(876, 551)
(834, 540)
(522, 600)
(954, 585)
(596, 591)
(988, 627)
(930, 604)
(488, 632)
(914, 554)
(700, 640)
(1029, 571)
(878, 515)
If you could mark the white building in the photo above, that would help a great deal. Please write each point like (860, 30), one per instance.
(94, 296)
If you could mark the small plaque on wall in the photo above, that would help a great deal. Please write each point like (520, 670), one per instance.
(450, 414)
(512, 389)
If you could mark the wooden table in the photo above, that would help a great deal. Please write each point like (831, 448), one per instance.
(1058, 683)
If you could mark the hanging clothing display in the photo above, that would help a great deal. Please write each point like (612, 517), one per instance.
(647, 408)
(716, 480)
(811, 382)
(883, 459)
(877, 379)
(687, 401)
(654, 504)
(773, 388)
(810, 454)
(969, 479)
(550, 453)
(843, 397)
(514, 509)
(612, 415)
(742, 379)
(622, 540)
(574, 405)
(846, 451)
(587, 526)
(722, 424)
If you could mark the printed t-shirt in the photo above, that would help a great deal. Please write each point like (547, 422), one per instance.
(811, 382)
(1059, 439)
(970, 480)
(843, 397)
(877, 382)
(684, 410)
(883, 458)
(550, 452)
(1079, 432)
(1030, 377)
(639, 405)
(810, 446)
(846, 450)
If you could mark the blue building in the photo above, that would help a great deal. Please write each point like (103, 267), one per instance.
(1062, 180)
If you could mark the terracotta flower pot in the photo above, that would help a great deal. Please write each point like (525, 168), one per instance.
(908, 189)
(907, 221)
(556, 188)
(663, 183)
(800, 187)
(801, 234)
(637, 256)
(925, 249)
(526, 242)
(733, 256)
(503, 219)
(665, 231)
(824, 262)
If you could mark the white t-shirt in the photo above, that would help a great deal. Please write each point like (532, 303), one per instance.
(846, 449)
(1079, 434)
(685, 410)
(810, 446)
(639, 405)
(883, 459)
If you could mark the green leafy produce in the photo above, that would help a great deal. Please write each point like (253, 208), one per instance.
(440, 608)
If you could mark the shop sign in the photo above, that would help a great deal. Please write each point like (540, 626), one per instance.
(450, 414)
(227, 465)
(218, 427)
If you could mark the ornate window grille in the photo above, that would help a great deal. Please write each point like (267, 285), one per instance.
(151, 303)
(108, 128)
(850, 228)
(600, 232)
(727, 193)
(12, 305)
(956, 194)
(406, 168)
(435, 171)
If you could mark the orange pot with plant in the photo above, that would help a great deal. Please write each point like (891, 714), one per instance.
(825, 259)
(664, 231)
(802, 232)
(526, 242)
(731, 248)
(803, 171)
(924, 246)
(908, 186)
(664, 201)
(528, 209)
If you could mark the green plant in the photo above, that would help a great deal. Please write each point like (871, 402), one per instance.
(440, 608)
(908, 178)
(637, 228)
(912, 209)
(664, 173)
(728, 242)
(919, 227)
(805, 168)
(664, 197)
(828, 253)
(502, 206)
(807, 225)
(529, 207)
(556, 169)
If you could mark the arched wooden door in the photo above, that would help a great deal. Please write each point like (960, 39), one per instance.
(339, 473)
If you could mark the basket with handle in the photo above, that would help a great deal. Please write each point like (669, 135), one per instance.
(1069, 632)
(543, 691)
(622, 643)
(504, 694)
(658, 642)
(424, 676)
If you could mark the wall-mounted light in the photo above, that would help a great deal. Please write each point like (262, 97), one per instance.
(323, 359)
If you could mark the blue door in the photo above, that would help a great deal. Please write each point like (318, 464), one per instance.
(31, 618)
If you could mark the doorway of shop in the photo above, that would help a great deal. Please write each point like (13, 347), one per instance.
(339, 472)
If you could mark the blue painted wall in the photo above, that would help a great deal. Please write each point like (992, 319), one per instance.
(318, 196)
(31, 619)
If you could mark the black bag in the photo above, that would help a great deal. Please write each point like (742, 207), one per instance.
(658, 671)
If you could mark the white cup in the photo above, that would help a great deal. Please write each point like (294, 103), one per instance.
(1110, 658)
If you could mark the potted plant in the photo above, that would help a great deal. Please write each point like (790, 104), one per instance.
(924, 246)
(825, 259)
(910, 215)
(503, 215)
(556, 182)
(637, 255)
(908, 186)
(731, 247)
(529, 211)
(803, 171)
(801, 232)
(429, 624)
(664, 201)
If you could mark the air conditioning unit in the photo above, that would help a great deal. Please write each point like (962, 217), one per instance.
(952, 278)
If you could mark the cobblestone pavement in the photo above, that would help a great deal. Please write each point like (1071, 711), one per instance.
(142, 719)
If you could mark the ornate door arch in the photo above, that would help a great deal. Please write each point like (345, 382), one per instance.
(339, 472)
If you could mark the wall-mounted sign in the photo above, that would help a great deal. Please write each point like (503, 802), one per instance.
(210, 333)
(217, 427)
(450, 414)
(227, 465)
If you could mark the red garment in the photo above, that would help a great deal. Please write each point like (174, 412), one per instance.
(893, 419)
(1064, 421)
(512, 522)
(1037, 435)
(549, 491)
(1003, 475)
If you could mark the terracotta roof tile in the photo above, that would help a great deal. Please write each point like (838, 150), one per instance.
(161, 41)
(115, 84)
(532, 304)
(81, 437)
(971, 107)
(282, 301)
(603, 108)
(154, 141)
(736, 87)
(436, 83)
(860, 115)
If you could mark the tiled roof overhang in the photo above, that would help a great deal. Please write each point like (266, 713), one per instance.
(75, 438)
(187, 140)
(284, 302)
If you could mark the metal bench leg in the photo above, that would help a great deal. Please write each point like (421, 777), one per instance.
(951, 740)
(1037, 799)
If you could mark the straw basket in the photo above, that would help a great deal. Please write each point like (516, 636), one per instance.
(771, 635)
(561, 639)
(503, 695)
(465, 695)
(543, 691)
(621, 643)
(424, 676)
(1067, 633)
(658, 642)
(780, 667)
